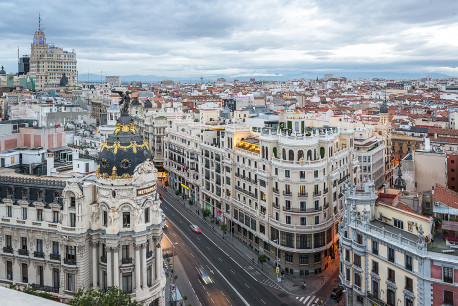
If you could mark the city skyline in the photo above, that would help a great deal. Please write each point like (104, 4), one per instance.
(259, 39)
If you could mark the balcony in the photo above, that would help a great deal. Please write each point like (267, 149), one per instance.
(317, 194)
(70, 261)
(23, 252)
(54, 257)
(326, 205)
(8, 249)
(103, 259)
(303, 194)
(275, 205)
(299, 210)
(39, 254)
(287, 193)
(126, 261)
(325, 191)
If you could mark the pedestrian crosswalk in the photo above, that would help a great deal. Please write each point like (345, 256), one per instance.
(309, 300)
(269, 283)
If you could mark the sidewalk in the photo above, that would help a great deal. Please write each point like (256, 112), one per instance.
(290, 283)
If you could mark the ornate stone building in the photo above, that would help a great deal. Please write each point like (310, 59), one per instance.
(97, 231)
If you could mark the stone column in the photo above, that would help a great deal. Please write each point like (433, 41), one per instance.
(138, 270)
(109, 269)
(95, 268)
(116, 267)
(144, 268)
(158, 267)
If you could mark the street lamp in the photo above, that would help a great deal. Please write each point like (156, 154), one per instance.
(277, 269)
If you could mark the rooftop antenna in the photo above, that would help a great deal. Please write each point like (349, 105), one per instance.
(39, 22)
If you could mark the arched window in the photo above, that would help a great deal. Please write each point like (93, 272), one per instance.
(275, 152)
(267, 153)
(309, 155)
(314, 154)
(263, 152)
(291, 155)
(300, 154)
(322, 152)
(284, 154)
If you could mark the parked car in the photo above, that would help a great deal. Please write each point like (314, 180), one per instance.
(336, 293)
(195, 228)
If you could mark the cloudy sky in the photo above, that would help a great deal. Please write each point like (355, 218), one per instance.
(178, 38)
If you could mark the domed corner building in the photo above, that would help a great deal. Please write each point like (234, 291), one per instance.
(126, 218)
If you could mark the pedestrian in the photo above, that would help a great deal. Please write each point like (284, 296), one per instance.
(303, 285)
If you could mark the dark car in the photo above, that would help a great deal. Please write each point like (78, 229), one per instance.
(336, 293)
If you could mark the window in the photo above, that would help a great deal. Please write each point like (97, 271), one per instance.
(348, 274)
(302, 190)
(148, 276)
(288, 219)
(39, 214)
(105, 218)
(287, 204)
(39, 246)
(55, 216)
(448, 275)
(303, 205)
(55, 248)
(448, 297)
(398, 223)
(125, 251)
(288, 257)
(390, 297)
(374, 247)
(391, 255)
(303, 259)
(359, 239)
(315, 174)
(317, 257)
(303, 220)
(287, 188)
(317, 219)
(69, 282)
(409, 284)
(71, 252)
(127, 282)
(24, 213)
(9, 270)
(391, 275)
(357, 260)
(347, 255)
(276, 171)
(125, 219)
(9, 211)
(302, 174)
(375, 289)
(375, 267)
(25, 273)
(287, 173)
(72, 219)
(146, 215)
(408, 261)
(55, 278)
(8, 241)
(23, 243)
(358, 280)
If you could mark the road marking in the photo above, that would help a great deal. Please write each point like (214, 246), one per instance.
(191, 254)
(223, 293)
(198, 238)
(212, 300)
(232, 271)
(208, 267)
(207, 292)
(183, 244)
(263, 301)
(300, 300)
(209, 248)
(174, 234)
(227, 300)
(247, 286)
(305, 301)
(219, 272)
(220, 259)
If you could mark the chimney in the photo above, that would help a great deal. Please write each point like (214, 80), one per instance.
(427, 144)
(75, 154)
(49, 163)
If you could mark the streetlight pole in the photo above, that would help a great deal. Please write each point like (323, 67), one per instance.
(276, 260)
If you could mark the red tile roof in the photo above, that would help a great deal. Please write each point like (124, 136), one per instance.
(446, 196)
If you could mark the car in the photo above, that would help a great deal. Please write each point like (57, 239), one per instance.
(195, 228)
(336, 293)
(204, 276)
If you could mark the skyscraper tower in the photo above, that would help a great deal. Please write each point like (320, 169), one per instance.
(49, 63)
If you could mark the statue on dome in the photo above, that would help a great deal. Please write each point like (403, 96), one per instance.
(125, 100)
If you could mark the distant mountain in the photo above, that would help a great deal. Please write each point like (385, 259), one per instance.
(94, 78)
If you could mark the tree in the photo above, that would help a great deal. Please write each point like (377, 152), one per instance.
(110, 297)
(262, 259)
(30, 289)
(205, 212)
(177, 192)
(224, 228)
(166, 183)
(190, 202)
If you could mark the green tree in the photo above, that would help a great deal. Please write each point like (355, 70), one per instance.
(262, 259)
(224, 228)
(177, 192)
(166, 183)
(30, 289)
(190, 202)
(110, 297)
(205, 212)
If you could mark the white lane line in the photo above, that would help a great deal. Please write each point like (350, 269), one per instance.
(208, 267)
(223, 293)
(183, 244)
(232, 271)
(263, 301)
(208, 293)
(191, 254)
(247, 286)
(198, 238)
(305, 301)
(227, 300)
(300, 300)
(220, 259)
(209, 248)
(174, 234)
(219, 272)
(212, 300)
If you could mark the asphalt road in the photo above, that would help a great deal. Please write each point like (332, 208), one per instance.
(236, 281)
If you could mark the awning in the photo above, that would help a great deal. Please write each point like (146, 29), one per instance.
(450, 225)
